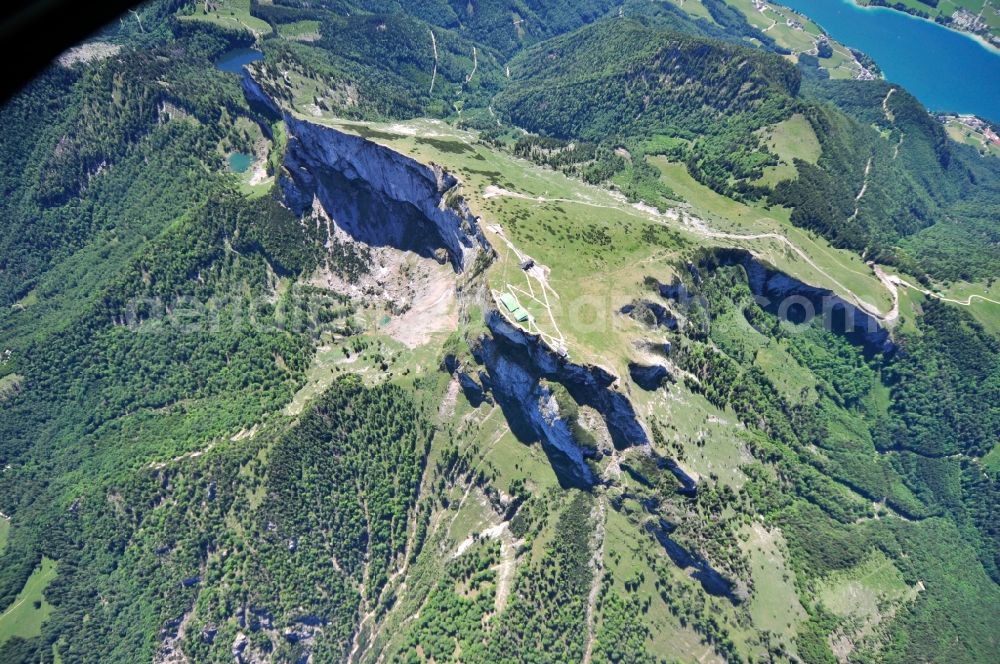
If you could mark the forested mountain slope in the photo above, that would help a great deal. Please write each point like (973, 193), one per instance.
(498, 350)
(650, 83)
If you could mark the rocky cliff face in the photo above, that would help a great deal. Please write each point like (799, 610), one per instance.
(384, 199)
(377, 196)
(650, 314)
(790, 299)
(516, 362)
(796, 301)
(649, 377)
(259, 100)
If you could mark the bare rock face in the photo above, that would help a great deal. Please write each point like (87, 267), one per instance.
(516, 364)
(650, 314)
(239, 645)
(377, 196)
(381, 198)
(796, 301)
(649, 377)
(258, 99)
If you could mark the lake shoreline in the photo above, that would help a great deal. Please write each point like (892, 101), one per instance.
(985, 43)
(949, 71)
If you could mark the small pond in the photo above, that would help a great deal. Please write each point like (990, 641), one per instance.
(233, 61)
(239, 162)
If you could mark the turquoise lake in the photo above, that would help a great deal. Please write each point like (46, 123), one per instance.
(239, 162)
(233, 61)
(944, 69)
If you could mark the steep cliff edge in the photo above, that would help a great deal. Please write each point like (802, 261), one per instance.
(795, 301)
(259, 100)
(381, 198)
(377, 196)
(518, 362)
(788, 298)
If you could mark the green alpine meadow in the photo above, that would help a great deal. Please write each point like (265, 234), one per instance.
(495, 331)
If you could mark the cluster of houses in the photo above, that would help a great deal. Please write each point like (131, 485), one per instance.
(981, 126)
